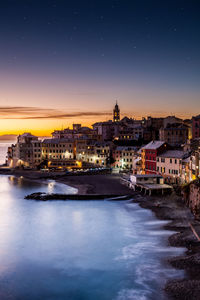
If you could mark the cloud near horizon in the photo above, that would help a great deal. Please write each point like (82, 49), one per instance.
(26, 113)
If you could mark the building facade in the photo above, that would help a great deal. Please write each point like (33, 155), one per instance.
(97, 153)
(124, 157)
(27, 152)
(76, 132)
(174, 134)
(149, 155)
(169, 165)
(196, 127)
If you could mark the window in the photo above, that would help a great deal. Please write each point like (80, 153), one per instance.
(162, 160)
(170, 161)
(175, 161)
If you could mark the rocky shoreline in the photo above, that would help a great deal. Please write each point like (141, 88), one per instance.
(172, 208)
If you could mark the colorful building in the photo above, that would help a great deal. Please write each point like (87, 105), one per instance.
(149, 155)
(169, 165)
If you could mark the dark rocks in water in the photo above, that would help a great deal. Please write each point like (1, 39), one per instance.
(177, 225)
(184, 262)
(35, 195)
(45, 197)
(184, 289)
(183, 239)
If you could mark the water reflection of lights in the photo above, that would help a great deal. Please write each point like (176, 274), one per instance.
(51, 185)
(16, 180)
(11, 178)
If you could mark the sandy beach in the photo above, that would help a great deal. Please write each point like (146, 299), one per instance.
(104, 184)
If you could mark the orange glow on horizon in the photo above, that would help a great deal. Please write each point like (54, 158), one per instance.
(44, 127)
(45, 103)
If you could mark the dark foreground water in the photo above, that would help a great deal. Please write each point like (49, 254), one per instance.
(79, 249)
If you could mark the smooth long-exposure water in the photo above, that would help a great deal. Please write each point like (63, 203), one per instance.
(95, 250)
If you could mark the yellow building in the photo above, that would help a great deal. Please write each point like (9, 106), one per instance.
(143, 160)
(58, 149)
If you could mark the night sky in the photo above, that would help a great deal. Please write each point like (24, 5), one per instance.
(68, 61)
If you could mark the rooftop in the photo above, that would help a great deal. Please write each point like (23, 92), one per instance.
(186, 160)
(57, 141)
(196, 117)
(127, 148)
(153, 145)
(174, 154)
(27, 134)
(147, 176)
(176, 126)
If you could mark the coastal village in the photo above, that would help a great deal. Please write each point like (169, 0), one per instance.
(152, 155)
(99, 150)
(167, 146)
(158, 157)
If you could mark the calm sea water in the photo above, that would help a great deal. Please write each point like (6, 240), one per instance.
(79, 250)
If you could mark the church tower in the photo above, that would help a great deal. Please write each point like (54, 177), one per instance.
(116, 113)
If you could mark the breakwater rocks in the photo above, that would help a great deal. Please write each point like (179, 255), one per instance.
(184, 289)
(181, 219)
(46, 197)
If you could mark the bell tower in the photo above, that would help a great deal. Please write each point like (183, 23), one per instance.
(116, 113)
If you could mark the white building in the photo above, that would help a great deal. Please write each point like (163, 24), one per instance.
(27, 152)
(124, 156)
(94, 152)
